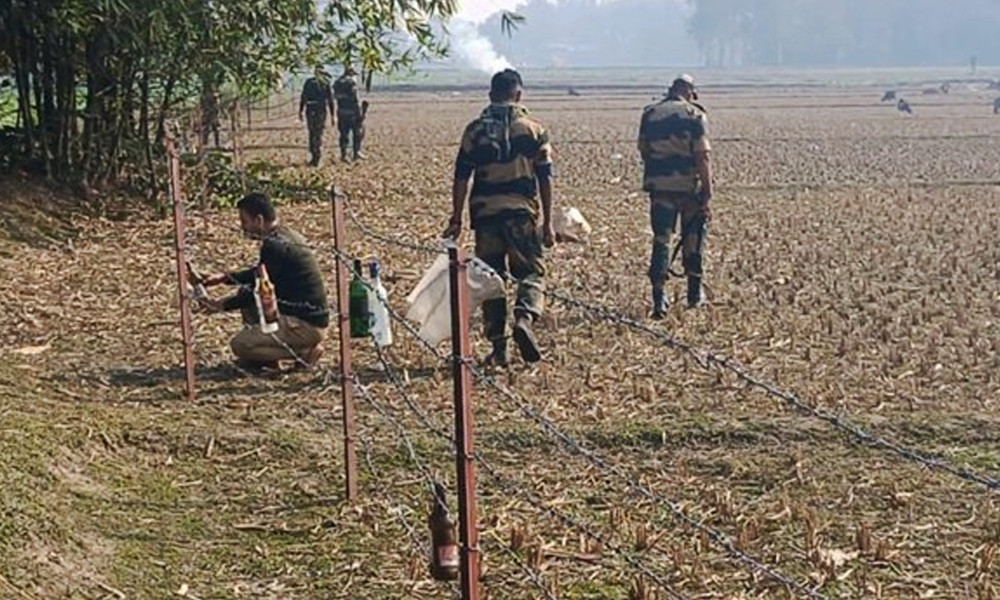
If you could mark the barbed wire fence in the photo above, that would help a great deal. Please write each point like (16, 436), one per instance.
(576, 447)
(709, 359)
(706, 359)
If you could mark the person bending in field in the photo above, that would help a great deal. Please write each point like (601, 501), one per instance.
(673, 142)
(508, 155)
(298, 284)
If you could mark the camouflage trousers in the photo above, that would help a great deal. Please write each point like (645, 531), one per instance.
(664, 210)
(512, 245)
(316, 122)
(352, 131)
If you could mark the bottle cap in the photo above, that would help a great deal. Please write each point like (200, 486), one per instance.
(373, 268)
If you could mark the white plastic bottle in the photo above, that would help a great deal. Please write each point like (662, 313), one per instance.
(381, 322)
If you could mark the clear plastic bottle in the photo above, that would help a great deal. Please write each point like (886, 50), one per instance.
(377, 301)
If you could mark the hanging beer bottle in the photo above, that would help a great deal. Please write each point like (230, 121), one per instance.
(267, 301)
(444, 541)
(358, 309)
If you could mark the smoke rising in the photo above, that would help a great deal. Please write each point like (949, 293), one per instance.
(473, 50)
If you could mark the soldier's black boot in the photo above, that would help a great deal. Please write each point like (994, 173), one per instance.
(694, 292)
(524, 337)
(498, 357)
(660, 304)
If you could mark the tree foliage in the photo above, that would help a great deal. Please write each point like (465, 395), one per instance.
(96, 80)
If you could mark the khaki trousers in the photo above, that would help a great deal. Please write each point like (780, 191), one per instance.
(293, 334)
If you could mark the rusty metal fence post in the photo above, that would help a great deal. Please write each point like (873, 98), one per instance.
(462, 373)
(176, 198)
(344, 328)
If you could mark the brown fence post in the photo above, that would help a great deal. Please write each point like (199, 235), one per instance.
(177, 200)
(462, 373)
(344, 327)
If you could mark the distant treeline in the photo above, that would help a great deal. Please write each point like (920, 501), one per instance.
(728, 33)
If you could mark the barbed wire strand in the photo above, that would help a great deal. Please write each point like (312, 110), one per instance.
(716, 536)
(420, 544)
(427, 422)
(407, 442)
(518, 490)
(707, 359)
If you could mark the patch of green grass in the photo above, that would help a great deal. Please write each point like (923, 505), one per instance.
(595, 590)
(285, 443)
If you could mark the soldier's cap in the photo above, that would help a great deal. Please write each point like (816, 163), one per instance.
(349, 70)
(319, 71)
(686, 80)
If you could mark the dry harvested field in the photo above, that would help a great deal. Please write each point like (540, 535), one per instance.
(853, 262)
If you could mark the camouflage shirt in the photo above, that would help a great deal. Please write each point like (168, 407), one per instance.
(506, 151)
(670, 134)
(345, 90)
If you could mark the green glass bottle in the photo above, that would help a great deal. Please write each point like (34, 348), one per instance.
(358, 309)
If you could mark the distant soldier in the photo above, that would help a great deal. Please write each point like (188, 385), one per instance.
(673, 141)
(209, 116)
(889, 96)
(904, 107)
(350, 113)
(315, 101)
(996, 106)
(508, 154)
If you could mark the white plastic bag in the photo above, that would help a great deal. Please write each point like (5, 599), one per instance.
(429, 303)
(570, 225)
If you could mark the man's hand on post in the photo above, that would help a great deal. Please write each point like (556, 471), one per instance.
(214, 280)
(208, 306)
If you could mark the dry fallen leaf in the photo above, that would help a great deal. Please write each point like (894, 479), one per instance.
(32, 350)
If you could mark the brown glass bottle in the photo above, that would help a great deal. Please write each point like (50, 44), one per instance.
(444, 540)
(267, 302)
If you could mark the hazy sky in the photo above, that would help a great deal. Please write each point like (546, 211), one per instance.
(478, 11)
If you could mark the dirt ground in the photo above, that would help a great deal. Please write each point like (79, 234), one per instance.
(852, 261)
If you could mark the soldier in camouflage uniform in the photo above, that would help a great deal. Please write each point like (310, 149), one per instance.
(315, 101)
(509, 156)
(673, 141)
(350, 114)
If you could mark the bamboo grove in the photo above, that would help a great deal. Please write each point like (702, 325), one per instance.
(97, 81)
